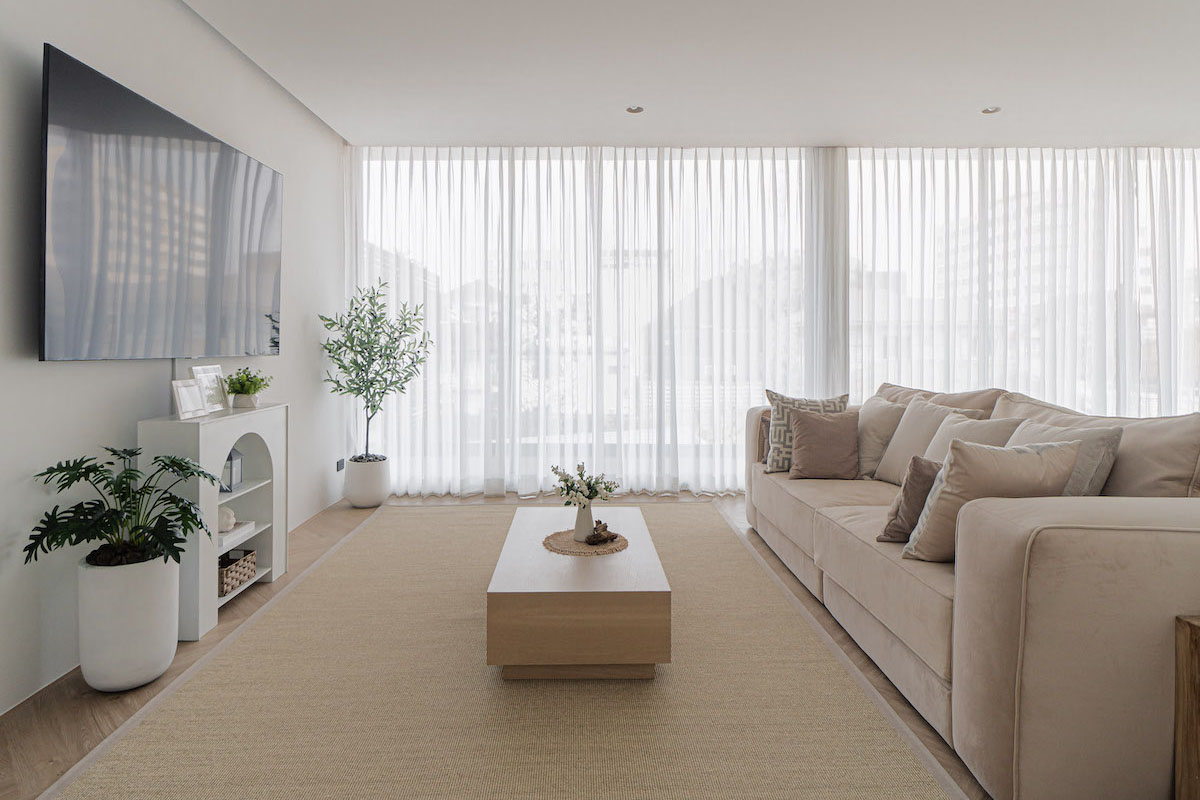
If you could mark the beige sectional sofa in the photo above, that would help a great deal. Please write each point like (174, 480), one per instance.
(1045, 653)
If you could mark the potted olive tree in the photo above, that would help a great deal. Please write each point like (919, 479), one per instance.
(375, 354)
(129, 585)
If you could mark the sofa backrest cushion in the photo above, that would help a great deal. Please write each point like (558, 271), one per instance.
(1097, 452)
(972, 471)
(1157, 456)
(902, 394)
(978, 399)
(877, 423)
(995, 432)
(914, 433)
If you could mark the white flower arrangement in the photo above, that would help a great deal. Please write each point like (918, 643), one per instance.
(580, 489)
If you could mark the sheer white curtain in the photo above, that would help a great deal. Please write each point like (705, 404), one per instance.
(617, 306)
(1072, 275)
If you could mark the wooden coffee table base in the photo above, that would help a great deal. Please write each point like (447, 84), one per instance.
(517, 672)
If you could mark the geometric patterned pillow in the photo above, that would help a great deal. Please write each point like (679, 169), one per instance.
(779, 456)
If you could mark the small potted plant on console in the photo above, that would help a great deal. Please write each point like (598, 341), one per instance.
(129, 585)
(375, 354)
(244, 385)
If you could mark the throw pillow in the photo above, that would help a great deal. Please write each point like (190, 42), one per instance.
(877, 421)
(779, 456)
(1157, 457)
(906, 508)
(1097, 452)
(824, 445)
(973, 471)
(914, 433)
(995, 432)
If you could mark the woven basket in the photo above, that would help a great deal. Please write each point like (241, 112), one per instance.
(233, 569)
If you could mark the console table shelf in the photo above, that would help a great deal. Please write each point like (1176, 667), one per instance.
(245, 488)
(260, 434)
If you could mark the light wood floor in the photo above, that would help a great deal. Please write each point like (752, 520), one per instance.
(41, 738)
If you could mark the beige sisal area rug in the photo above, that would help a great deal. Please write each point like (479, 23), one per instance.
(367, 679)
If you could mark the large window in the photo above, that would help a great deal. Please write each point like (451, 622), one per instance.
(625, 306)
(622, 307)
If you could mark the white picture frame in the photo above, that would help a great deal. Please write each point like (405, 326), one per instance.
(212, 386)
(189, 398)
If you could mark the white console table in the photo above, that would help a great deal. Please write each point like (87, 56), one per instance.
(261, 434)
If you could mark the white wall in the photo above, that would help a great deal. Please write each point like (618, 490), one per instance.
(52, 411)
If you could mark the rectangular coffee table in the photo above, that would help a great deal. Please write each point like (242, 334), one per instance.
(556, 616)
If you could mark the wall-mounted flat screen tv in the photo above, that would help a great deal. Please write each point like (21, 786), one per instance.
(160, 241)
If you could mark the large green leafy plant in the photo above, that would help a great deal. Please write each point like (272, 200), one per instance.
(375, 354)
(135, 517)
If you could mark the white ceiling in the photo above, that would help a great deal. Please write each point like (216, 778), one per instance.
(882, 72)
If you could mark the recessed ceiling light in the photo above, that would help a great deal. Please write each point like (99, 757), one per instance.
(991, 110)
(634, 109)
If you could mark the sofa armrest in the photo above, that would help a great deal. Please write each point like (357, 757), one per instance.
(1063, 650)
(753, 456)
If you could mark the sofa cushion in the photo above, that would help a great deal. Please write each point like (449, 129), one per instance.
(914, 599)
(877, 421)
(918, 425)
(779, 456)
(790, 504)
(972, 471)
(906, 508)
(1157, 456)
(824, 445)
(1097, 452)
(995, 432)
(979, 399)
(902, 394)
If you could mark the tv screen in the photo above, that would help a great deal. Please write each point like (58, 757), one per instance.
(160, 241)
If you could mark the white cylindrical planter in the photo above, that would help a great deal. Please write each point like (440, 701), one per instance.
(368, 483)
(583, 523)
(128, 622)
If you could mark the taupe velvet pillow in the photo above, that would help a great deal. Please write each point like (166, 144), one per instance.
(1097, 452)
(973, 471)
(914, 433)
(906, 508)
(824, 445)
(779, 456)
(877, 421)
(995, 432)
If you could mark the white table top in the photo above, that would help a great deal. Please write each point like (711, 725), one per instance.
(525, 565)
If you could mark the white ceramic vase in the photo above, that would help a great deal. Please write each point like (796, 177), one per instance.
(245, 401)
(583, 522)
(368, 483)
(128, 622)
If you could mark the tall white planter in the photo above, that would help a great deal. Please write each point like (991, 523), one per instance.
(128, 622)
(368, 483)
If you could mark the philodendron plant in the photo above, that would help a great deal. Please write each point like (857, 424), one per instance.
(135, 517)
(374, 353)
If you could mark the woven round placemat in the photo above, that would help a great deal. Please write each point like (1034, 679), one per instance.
(563, 543)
